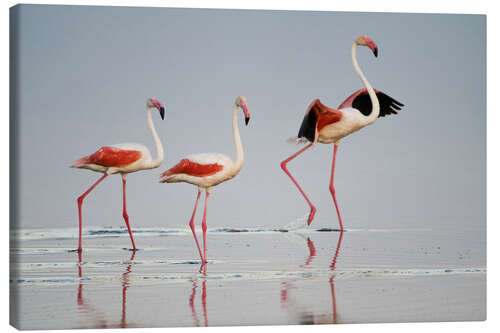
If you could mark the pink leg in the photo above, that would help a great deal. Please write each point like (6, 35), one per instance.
(332, 190)
(125, 215)
(204, 227)
(80, 201)
(283, 166)
(191, 224)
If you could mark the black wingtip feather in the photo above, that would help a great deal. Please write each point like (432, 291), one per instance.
(388, 105)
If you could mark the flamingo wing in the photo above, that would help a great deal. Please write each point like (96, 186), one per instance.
(317, 116)
(360, 100)
(192, 168)
(110, 157)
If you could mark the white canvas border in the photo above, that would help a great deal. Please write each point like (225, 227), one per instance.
(422, 6)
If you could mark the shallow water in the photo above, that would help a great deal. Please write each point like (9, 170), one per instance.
(254, 277)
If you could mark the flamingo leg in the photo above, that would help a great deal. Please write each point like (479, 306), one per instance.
(332, 189)
(283, 166)
(125, 215)
(204, 227)
(191, 224)
(80, 202)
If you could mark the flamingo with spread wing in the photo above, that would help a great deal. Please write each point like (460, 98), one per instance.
(326, 125)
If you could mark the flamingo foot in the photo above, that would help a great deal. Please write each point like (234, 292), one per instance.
(203, 269)
(311, 215)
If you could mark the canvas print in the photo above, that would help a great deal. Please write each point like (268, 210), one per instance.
(291, 167)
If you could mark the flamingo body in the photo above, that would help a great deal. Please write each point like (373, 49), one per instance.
(203, 170)
(120, 158)
(352, 115)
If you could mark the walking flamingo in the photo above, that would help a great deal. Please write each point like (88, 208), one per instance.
(123, 159)
(326, 125)
(207, 170)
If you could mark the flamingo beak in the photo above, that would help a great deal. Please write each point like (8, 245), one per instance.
(162, 113)
(247, 114)
(371, 44)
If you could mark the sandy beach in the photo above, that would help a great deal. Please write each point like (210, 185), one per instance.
(254, 277)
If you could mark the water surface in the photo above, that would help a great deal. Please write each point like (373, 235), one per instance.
(254, 277)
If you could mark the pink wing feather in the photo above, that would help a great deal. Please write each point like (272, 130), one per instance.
(109, 157)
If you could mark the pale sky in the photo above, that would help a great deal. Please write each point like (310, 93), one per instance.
(85, 74)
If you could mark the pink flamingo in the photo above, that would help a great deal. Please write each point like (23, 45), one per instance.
(207, 170)
(326, 125)
(123, 159)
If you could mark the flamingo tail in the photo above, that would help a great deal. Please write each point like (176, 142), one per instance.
(80, 162)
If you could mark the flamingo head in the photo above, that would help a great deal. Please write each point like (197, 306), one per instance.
(366, 41)
(154, 103)
(241, 102)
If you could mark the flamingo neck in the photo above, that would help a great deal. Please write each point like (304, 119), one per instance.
(373, 97)
(159, 148)
(237, 142)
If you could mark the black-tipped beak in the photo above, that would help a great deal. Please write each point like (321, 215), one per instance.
(247, 119)
(375, 52)
(162, 113)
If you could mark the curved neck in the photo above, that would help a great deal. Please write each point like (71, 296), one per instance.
(237, 142)
(373, 97)
(159, 148)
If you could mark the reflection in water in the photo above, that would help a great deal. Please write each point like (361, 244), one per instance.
(307, 317)
(332, 285)
(93, 314)
(203, 302)
(125, 285)
(312, 252)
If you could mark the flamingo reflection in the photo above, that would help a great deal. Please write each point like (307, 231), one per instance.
(332, 285)
(203, 302)
(306, 316)
(92, 313)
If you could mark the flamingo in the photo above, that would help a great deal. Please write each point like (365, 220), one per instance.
(207, 170)
(326, 125)
(123, 159)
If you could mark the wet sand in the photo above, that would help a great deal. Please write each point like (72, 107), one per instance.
(254, 277)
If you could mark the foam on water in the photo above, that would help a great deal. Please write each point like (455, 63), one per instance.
(299, 225)
(96, 232)
(257, 275)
